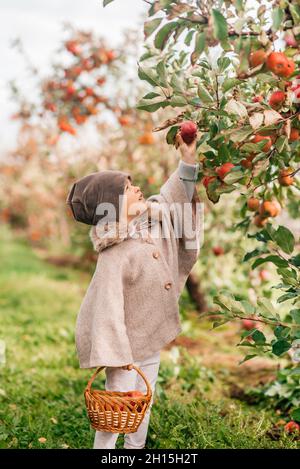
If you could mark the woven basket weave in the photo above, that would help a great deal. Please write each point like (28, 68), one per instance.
(115, 412)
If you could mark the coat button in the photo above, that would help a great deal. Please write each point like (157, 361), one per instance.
(155, 255)
(168, 285)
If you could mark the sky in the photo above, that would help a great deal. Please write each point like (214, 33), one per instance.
(39, 24)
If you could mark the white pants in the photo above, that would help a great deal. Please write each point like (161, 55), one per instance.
(118, 379)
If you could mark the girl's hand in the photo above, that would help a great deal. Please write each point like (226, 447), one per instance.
(127, 367)
(188, 152)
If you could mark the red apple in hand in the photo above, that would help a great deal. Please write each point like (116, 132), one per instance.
(188, 131)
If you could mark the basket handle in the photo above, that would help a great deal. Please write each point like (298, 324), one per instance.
(149, 392)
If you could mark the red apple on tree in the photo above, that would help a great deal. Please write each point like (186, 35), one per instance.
(294, 135)
(253, 204)
(218, 250)
(290, 40)
(280, 64)
(268, 209)
(277, 99)
(257, 99)
(248, 325)
(224, 169)
(264, 275)
(207, 180)
(285, 177)
(259, 138)
(257, 58)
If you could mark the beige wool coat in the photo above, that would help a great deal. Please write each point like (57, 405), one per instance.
(130, 309)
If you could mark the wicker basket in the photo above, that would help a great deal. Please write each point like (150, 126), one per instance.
(116, 412)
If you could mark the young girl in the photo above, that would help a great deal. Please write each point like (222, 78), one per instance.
(147, 249)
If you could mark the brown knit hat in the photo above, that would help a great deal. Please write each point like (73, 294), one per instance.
(96, 188)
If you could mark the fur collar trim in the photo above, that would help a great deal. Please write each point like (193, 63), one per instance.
(105, 235)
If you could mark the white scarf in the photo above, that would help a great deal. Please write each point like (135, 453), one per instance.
(104, 235)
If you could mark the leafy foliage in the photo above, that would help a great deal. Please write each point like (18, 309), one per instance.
(230, 93)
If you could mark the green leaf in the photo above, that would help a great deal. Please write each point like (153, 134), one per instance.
(277, 17)
(282, 332)
(247, 357)
(151, 105)
(278, 261)
(151, 26)
(285, 239)
(164, 34)
(177, 101)
(205, 64)
(248, 307)
(199, 47)
(296, 260)
(219, 25)
(267, 308)
(289, 276)
(219, 323)
(148, 74)
(296, 415)
(151, 95)
(162, 74)
(233, 176)
(239, 24)
(223, 63)
(287, 296)
(225, 188)
(147, 55)
(295, 12)
(204, 94)
(258, 337)
(280, 347)
(239, 5)
(177, 84)
(250, 255)
(223, 153)
(212, 187)
(251, 147)
(238, 135)
(295, 313)
(189, 37)
(223, 300)
(170, 137)
(281, 142)
(212, 194)
(262, 236)
(106, 2)
(230, 83)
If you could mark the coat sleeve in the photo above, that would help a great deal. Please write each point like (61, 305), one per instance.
(101, 334)
(188, 173)
(185, 213)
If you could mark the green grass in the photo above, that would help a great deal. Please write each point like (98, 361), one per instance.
(41, 384)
